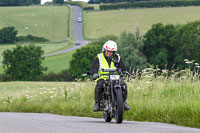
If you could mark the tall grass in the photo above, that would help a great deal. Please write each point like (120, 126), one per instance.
(170, 99)
(101, 23)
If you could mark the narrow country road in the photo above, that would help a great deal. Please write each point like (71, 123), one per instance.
(77, 32)
(50, 123)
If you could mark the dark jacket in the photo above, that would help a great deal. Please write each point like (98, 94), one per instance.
(95, 64)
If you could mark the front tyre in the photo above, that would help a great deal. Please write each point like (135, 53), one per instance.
(107, 116)
(119, 112)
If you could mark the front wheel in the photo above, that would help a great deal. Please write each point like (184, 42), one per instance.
(119, 112)
(107, 116)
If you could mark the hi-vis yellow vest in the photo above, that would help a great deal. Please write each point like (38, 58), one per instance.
(104, 64)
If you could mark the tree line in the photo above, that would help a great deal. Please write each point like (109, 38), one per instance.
(8, 35)
(19, 2)
(109, 1)
(163, 46)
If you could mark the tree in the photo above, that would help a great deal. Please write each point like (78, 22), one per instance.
(187, 42)
(128, 48)
(8, 35)
(82, 60)
(58, 1)
(24, 63)
(158, 45)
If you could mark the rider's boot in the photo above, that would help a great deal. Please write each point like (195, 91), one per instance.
(98, 95)
(126, 106)
(96, 107)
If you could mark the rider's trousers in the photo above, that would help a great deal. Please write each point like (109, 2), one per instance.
(99, 90)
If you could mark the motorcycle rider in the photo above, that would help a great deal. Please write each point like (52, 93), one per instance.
(105, 60)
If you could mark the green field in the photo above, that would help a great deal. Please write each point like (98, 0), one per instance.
(59, 62)
(50, 22)
(54, 63)
(100, 23)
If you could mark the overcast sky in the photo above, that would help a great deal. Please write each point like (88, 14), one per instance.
(43, 1)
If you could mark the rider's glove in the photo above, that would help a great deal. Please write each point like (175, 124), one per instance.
(95, 76)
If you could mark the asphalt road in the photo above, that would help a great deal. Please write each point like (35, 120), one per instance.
(77, 33)
(50, 123)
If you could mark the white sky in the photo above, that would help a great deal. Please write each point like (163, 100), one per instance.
(43, 1)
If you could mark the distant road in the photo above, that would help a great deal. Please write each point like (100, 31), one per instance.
(49, 123)
(77, 32)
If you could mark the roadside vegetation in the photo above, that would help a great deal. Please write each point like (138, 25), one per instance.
(169, 99)
(167, 91)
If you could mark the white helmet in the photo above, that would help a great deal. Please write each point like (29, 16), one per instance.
(110, 46)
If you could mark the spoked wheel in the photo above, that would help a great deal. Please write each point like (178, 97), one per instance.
(119, 112)
(107, 116)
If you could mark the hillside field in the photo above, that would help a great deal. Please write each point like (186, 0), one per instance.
(100, 23)
(50, 22)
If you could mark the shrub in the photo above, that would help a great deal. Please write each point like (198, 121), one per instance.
(30, 38)
(8, 35)
(62, 76)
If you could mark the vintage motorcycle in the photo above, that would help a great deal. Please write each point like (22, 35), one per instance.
(112, 100)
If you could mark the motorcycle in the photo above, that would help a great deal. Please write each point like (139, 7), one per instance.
(112, 103)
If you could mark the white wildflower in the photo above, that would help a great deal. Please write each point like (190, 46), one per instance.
(26, 28)
(183, 70)
(50, 92)
(186, 60)
(197, 64)
(4, 102)
(145, 72)
(149, 69)
(138, 88)
(148, 82)
(147, 76)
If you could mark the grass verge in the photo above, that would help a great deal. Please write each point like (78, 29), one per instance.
(167, 101)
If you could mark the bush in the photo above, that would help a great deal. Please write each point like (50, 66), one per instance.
(62, 76)
(88, 8)
(8, 35)
(149, 4)
(30, 38)
(24, 63)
